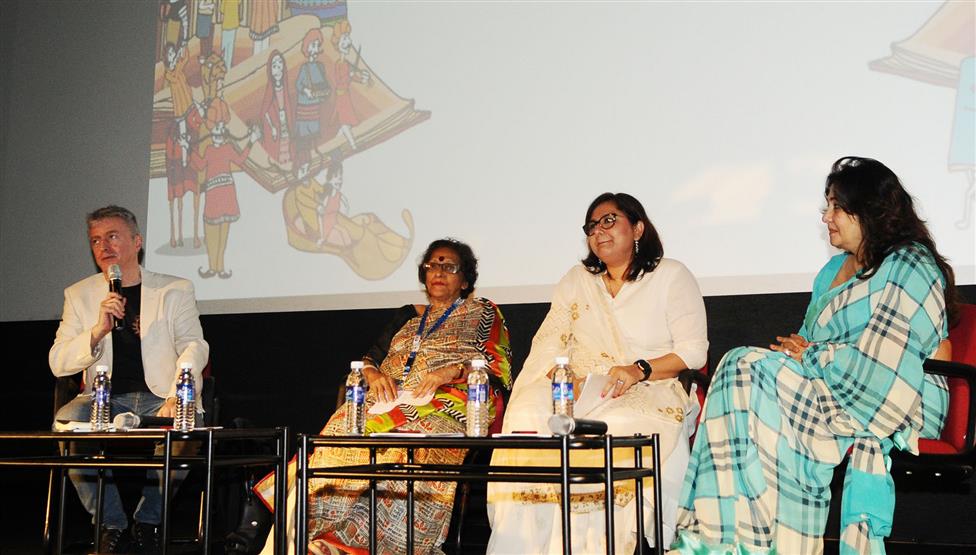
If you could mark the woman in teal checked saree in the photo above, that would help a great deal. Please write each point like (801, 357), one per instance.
(777, 421)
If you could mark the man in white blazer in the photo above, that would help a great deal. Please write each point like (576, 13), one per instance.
(160, 329)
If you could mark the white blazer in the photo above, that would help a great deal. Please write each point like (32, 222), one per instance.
(170, 332)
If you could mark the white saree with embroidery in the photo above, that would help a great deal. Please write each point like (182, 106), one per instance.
(660, 313)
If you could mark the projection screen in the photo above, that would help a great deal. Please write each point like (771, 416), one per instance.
(380, 126)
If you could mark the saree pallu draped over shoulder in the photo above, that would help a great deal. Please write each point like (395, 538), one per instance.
(661, 313)
(773, 428)
(338, 511)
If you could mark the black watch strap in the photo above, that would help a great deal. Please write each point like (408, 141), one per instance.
(645, 368)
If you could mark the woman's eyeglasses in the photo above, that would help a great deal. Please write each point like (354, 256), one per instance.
(606, 222)
(448, 267)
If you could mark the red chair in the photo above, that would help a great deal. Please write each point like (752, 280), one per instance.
(952, 457)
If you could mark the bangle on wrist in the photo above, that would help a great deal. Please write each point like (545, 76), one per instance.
(644, 367)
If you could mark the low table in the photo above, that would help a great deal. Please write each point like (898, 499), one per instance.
(411, 472)
(209, 459)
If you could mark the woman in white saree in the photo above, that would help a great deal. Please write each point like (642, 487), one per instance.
(639, 318)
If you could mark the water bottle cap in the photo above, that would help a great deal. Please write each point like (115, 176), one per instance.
(478, 363)
(186, 366)
(101, 369)
(356, 365)
(562, 361)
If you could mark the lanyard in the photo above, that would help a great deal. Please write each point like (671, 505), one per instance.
(420, 336)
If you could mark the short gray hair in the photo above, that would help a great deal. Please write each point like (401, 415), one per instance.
(113, 211)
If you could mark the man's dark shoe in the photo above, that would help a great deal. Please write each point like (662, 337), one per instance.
(146, 537)
(112, 541)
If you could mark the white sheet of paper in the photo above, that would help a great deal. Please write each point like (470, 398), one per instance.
(404, 398)
(589, 399)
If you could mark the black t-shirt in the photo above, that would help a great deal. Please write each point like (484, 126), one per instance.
(128, 374)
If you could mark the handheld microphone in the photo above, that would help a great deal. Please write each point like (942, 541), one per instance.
(115, 286)
(130, 421)
(563, 425)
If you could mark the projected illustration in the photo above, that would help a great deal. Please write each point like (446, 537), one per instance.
(943, 52)
(278, 90)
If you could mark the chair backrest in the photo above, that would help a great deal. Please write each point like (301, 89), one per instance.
(963, 338)
(963, 335)
(702, 379)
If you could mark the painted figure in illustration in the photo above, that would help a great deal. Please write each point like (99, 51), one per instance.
(312, 208)
(220, 206)
(346, 71)
(312, 89)
(176, 18)
(310, 103)
(230, 20)
(263, 16)
(204, 30)
(277, 112)
(317, 220)
(180, 177)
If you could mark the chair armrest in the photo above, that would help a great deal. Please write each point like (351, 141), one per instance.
(951, 369)
(966, 372)
(688, 376)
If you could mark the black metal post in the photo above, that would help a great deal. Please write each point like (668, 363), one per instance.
(372, 505)
(167, 466)
(409, 505)
(658, 519)
(608, 508)
(301, 500)
(564, 460)
(281, 492)
(639, 499)
(208, 492)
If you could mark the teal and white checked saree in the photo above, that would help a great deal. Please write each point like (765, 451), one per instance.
(773, 429)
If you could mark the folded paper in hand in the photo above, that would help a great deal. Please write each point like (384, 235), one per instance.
(404, 398)
(589, 399)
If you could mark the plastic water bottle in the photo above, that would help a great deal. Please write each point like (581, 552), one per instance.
(477, 418)
(562, 388)
(101, 399)
(356, 400)
(186, 406)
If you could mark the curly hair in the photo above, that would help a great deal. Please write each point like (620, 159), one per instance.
(868, 189)
(651, 250)
(469, 263)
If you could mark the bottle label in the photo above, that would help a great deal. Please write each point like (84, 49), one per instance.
(355, 394)
(101, 396)
(478, 392)
(185, 393)
(562, 391)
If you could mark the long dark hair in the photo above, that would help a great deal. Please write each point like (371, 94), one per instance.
(869, 190)
(469, 263)
(650, 250)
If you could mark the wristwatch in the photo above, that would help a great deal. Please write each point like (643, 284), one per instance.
(645, 367)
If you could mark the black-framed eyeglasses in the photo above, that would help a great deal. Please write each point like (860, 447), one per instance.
(447, 267)
(606, 222)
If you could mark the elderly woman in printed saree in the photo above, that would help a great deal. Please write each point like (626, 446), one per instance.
(453, 328)
(777, 421)
(628, 313)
